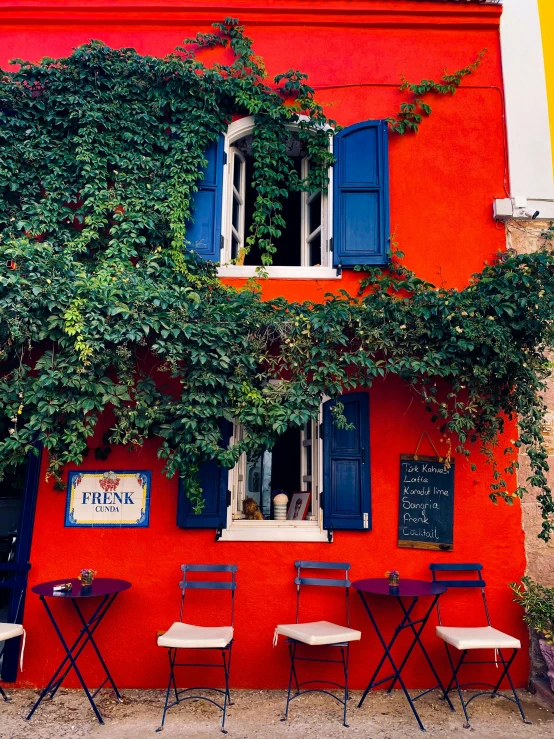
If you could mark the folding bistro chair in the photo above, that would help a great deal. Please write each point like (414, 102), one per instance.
(186, 636)
(466, 639)
(318, 633)
(12, 631)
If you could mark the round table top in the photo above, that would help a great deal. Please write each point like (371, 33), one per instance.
(409, 588)
(100, 586)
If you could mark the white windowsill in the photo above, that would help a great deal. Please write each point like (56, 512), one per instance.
(283, 273)
(305, 531)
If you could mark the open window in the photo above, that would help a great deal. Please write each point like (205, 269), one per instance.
(287, 468)
(303, 241)
(314, 244)
(322, 471)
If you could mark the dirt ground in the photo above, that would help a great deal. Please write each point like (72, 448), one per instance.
(256, 715)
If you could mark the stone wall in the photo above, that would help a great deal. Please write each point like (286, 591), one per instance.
(525, 237)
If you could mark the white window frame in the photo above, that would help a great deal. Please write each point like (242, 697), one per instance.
(270, 530)
(237, 196)
(321, 230)
(237, 130)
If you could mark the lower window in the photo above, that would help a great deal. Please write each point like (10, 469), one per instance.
(275, 496)
(314, 481)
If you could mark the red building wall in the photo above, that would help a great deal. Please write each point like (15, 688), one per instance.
(443, 181)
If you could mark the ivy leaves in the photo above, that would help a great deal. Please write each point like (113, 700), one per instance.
(105, 312)
(411, 113)
(170, 351)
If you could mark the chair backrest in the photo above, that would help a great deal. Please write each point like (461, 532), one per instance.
(230, 585)
(476, 582)
(300, 580)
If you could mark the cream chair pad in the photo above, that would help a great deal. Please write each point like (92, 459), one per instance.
(187, 636)
(480, 637)
(10, 631)
(317, 633)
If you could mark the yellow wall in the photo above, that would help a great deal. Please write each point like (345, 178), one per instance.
(546, 11)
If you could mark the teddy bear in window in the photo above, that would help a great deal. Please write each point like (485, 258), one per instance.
(252, 510)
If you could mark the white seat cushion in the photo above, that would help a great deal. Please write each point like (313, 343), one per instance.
(480, 637)
(10, 631)
(317, 632)
(187, 636)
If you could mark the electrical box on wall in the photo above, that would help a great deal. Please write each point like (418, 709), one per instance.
(502, 209)
(521, 208)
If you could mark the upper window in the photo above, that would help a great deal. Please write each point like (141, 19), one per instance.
(347, 227)
(303, 241)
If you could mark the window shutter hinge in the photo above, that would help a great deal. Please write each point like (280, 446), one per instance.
(228, 499)
(330, 536)
(331, 244)
(366, 520)
(321, 500)
(218, 533)
(222, 242)
(321, 431)
(224, 158)
(339, 269)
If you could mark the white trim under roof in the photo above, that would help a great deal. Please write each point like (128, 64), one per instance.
(529, 146)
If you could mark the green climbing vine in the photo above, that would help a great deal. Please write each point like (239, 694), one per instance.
(106, 313)
(409, 116)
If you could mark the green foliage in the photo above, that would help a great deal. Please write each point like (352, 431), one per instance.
(104, 311)
(102, 150)
(410, 115)
(538, 602)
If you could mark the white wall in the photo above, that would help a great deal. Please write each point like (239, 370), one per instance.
(529, 146)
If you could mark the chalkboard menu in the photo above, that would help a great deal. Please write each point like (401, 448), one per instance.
(426, 512)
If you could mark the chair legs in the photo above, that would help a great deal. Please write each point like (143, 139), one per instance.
(178, 694)
(227, 696)
(506, 671)
(292, 654)
(171, 653)
(345, 655)
(345, 652)
(4, 696)
(495, 688)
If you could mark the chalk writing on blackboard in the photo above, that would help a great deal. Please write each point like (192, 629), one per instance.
(426, 510)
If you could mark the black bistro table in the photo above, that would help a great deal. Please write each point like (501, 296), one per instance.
(107, 589)
(408, 589)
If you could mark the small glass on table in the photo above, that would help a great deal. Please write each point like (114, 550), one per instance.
(393, 577)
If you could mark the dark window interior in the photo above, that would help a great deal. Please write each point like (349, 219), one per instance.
(277, 469)
(285, 472)
(289, 243)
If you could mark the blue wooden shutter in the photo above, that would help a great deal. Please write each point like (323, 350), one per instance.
(346, 478)
(213, 481)
(361, 195)
(204, 232)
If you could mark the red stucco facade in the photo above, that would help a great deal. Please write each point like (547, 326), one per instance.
(443, 181)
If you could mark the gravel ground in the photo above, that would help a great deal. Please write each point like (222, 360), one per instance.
(256, 715)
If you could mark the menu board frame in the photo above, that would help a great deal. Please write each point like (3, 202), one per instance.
(446, 542)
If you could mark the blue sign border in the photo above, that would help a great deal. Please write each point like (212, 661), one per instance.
(142, 523)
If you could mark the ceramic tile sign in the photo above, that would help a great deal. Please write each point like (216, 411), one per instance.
(108, 499)
(426, 510)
